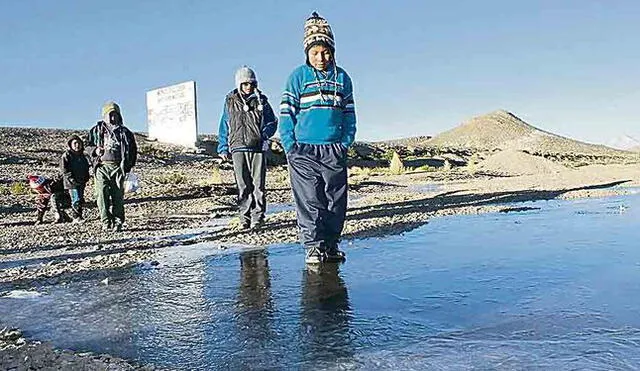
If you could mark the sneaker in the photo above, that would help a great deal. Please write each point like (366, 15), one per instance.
(334, 254)
(314, 255)
(245, 225)
(62, 217)
(257, 224)
(66, 217)
(39, 218)
(77, 220)
(59, 218)
(117, 227)
(106, 227)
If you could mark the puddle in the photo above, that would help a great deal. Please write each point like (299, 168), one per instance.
(426, 188)
(552, 287)
(274, 208)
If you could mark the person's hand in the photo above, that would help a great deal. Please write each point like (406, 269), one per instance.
(224, 156)
(99, 151)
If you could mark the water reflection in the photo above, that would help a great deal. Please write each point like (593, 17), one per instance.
(253, 332)
(254, 307)
(325, 316)
(554, 288)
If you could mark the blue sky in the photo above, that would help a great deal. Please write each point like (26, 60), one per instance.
(419, 67)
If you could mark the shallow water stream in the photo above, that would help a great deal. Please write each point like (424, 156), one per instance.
(553, 288)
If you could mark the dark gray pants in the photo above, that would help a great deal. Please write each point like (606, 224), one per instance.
(318, 175)
(250, 170)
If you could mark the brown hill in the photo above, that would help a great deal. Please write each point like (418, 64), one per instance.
(502, 130)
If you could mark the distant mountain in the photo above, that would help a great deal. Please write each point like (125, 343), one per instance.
(502, 130)
(407, 142)
(624, 142)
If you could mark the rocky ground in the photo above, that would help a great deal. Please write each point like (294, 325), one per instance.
(188, 197)
(16, 353)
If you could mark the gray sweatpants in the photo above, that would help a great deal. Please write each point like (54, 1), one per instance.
(318, 174)
(250, 170)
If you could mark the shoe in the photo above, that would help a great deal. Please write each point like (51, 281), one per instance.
(39, 218)
(314, 255)
(62, 217)
(66, 217)
(334, 254)
(245, 225)
(257, 224)
(59, 218)
(106, 227)
(117, 227)
(77, 220)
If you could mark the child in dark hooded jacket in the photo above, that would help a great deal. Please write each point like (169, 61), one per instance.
(74, 167)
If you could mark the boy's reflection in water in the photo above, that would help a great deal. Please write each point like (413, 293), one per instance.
(325, 315)
(254, 308)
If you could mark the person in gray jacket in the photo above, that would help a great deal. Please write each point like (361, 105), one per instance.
(246, 125)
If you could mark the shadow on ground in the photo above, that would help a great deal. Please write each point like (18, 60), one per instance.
(429, 205)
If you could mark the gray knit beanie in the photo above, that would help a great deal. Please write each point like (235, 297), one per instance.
(245, 74)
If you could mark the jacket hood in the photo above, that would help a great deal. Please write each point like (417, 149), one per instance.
(108, 108)
(79, 139)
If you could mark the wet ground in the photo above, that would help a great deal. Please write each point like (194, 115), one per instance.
(551, 287)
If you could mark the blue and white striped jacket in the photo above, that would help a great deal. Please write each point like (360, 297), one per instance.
(317, 108)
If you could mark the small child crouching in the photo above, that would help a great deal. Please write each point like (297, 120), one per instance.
(50, 189)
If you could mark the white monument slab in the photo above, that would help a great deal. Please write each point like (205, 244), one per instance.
(171, 114)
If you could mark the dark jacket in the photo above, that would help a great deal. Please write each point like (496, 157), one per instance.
(118, 143)
(74, 166)
(242, 130)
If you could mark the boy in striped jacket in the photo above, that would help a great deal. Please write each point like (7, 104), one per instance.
(317, 126)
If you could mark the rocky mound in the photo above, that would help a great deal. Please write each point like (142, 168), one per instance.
(502, 130)
(513, 162)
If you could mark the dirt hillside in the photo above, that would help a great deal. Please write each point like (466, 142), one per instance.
(513, 162)
(502, 130)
